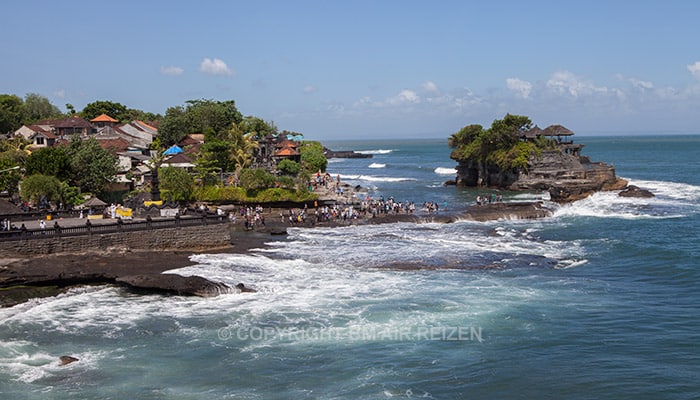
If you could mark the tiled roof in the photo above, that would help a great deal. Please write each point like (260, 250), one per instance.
(114, 145)
(73, 122)
(287, 152)
(103, 118)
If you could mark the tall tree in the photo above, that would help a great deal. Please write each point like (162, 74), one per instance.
(177, 183)
(39, 187)
(256, 128)
(53, 161)
(115, 110)
(38, 107)
(210, 117)
(11, 108)
(93, 167)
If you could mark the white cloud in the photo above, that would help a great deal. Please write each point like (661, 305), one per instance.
(309, 89)
(565, 82)
(521, 87)
(61, 93)
(695, 69)
(171, 70)
(404, 97)
(638, 83)
(215, 67)
(430, 86)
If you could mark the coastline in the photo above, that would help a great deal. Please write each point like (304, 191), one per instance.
(51, 274)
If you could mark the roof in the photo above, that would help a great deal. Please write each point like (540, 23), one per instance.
(8, 208)
(286, 143)
(45, 134)
(533, 132)
(114, 145)
(179, 161)
(145, 126)
(557, 130)
(287, 152)
(73, 122)
(191, 139)
(94, 202)
(103, 118)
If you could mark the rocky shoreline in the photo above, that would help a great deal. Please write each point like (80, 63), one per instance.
(142, 271)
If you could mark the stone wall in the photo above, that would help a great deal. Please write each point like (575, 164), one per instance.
(190, 238)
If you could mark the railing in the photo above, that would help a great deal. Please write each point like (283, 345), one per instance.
(113, 227)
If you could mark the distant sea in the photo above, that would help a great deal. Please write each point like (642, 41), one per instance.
(600, 301)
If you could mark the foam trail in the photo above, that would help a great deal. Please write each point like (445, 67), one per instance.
(376, 165)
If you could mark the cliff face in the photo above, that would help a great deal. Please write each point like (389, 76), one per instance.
(566, 177)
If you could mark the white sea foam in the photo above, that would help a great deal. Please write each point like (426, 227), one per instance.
(670, 190)
(376, 165)
(445, 171)
(379, 151)
(372, 178)
(26, 362)
(671, 201)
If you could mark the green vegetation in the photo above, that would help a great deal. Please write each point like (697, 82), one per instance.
(176, 184)
(117, 111)
(92, 167)
(289, 167)
(241, 195)
(212, 118)
(64, 173)
(499, 146)
(38, 188)
(312, 157)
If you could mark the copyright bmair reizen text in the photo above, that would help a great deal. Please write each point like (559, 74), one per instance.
(435, 333)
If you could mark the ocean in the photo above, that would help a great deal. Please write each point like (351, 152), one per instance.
(599, 301)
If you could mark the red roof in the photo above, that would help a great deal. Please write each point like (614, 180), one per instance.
(287, 152)
(103, 118)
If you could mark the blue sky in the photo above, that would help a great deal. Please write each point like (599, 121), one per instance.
(369, 69)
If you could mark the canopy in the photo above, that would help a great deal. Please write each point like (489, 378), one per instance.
(174, 149)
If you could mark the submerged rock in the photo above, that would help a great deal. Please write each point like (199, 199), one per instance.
(175, 284)
(245, 289)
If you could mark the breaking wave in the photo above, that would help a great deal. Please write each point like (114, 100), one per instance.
(381, 151)
(445, 171)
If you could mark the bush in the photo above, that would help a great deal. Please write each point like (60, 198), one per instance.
(256, 179)
(176, 183)
(289, 167)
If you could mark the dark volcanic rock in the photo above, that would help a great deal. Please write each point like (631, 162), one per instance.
(176, 284)
(634, 191)
(344, 154)
(510, 211)
(65, 360)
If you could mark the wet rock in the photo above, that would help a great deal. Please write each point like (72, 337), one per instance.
(175, 284)
(634, 191)
(245, 289)
(65, 360)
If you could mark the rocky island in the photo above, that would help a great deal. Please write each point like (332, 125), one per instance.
(514, 155)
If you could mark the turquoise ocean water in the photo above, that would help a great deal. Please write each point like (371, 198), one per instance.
(600, 301)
